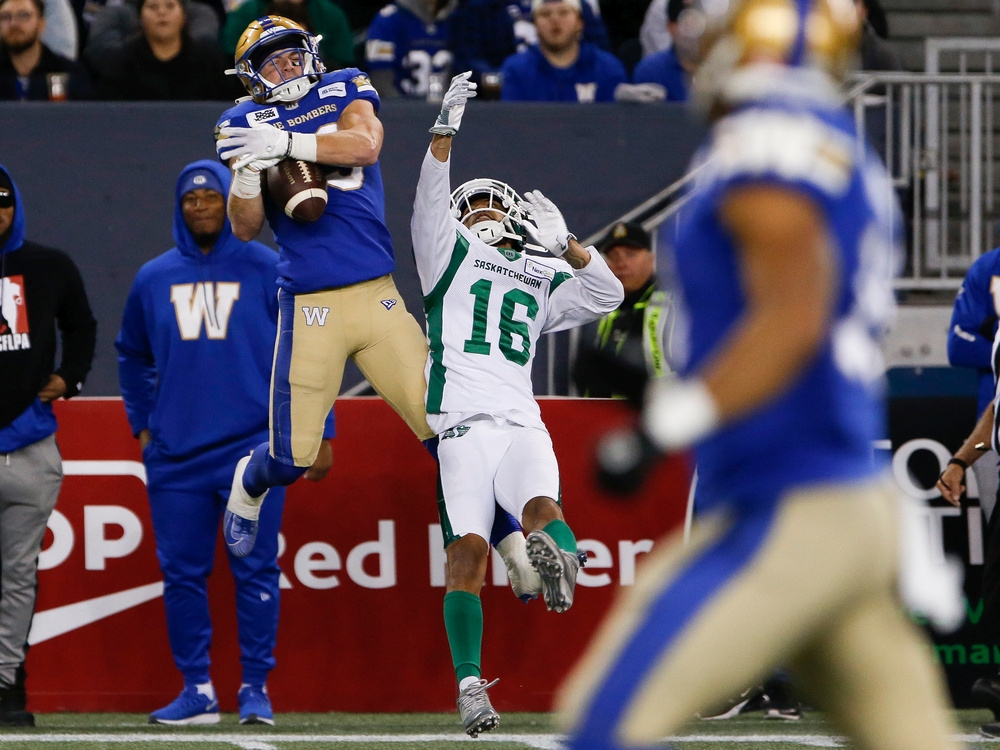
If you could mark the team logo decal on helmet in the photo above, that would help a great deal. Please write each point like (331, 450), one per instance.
(258, 51)
(503, 208)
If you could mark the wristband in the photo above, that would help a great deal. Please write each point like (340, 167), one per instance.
(563, 241)
(246, 184)
(302, 146)
(958, 462)
(678, 413)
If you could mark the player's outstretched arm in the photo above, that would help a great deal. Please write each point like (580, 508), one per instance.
(432, 227)
(449, 121)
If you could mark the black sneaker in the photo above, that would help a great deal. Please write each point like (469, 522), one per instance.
(990, 730)
(13, 702)
(780, 702)
(986, 694)
(753, 699)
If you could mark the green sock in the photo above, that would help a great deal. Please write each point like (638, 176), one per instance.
(463, 622)
(561, 534)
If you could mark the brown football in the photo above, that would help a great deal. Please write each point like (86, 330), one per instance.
(299, 188)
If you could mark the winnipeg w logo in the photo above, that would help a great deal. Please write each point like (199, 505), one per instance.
(204, 301)
(315, 315)
(389, 303)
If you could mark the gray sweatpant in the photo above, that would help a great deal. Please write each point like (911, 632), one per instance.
(29, 486)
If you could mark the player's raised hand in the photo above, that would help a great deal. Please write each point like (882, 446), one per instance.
(453, 105)
(264, 144)
(549, 228)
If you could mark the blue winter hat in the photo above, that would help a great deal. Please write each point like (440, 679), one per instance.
(201, 178)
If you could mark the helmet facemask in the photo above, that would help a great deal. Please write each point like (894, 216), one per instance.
(502, 208)
(281, 51)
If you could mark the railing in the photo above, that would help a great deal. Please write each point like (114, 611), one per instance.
(936, 134)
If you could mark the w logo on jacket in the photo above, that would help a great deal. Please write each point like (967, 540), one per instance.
(205, 302)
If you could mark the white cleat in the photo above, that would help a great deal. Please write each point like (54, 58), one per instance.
(557, 569)
(476, 710)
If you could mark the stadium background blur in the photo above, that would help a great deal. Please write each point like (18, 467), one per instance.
(97, 180)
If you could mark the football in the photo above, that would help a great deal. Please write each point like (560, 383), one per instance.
(299, 188)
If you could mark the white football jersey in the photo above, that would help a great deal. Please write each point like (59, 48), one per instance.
(486, 308)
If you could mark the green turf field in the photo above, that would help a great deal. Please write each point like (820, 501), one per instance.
(411, 732)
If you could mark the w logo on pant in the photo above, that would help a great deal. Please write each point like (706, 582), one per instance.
(315, 315)
(389, 303)
(205, 302)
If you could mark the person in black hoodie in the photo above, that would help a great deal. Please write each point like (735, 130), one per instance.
(40, 289)
(164, 63)
(29, 69)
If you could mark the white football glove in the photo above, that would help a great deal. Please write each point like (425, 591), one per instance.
(263, 143)
(549, 228)
(453, 104)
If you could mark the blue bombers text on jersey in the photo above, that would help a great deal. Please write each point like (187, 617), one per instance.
(350, 243)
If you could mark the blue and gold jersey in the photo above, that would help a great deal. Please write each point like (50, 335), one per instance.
(822, 427)
(350, 243)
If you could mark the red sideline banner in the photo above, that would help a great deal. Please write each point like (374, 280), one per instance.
(363, 575)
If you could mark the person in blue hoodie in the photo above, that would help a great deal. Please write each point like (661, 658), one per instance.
(561, 67)
(194, 365)
(40, 289)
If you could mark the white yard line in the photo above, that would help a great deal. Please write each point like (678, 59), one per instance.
(539, 741)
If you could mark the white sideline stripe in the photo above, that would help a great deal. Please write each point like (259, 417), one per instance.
(60, 620)
(539, 741)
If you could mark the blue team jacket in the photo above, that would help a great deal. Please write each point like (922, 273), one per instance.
(974, 323)
(197, 339)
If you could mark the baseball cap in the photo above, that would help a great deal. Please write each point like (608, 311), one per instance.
(201, 178)
(575, 4)
(624, 233)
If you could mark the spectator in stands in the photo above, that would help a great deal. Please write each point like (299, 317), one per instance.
(165, 63)
(561, 67)
(61, 34)
(672, 68)
(639, 334)
(407, 45)
(484, 33)
(41, 291)
(653, 36)
(116, 24)
(320, 17)
(28, 68)
(623, 19)
(875, 53)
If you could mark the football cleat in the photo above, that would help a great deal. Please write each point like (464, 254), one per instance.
(239, 522)
(195, 705)
(475, 709)
(255, 705)
(557, 568)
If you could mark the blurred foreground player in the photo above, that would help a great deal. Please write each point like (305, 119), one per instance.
(487, 304)
(784, 262)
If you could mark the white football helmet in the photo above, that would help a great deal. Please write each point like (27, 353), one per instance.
(502, 200)
(260, 43)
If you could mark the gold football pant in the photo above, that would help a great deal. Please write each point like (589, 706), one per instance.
(317, 332)
(808, 585)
